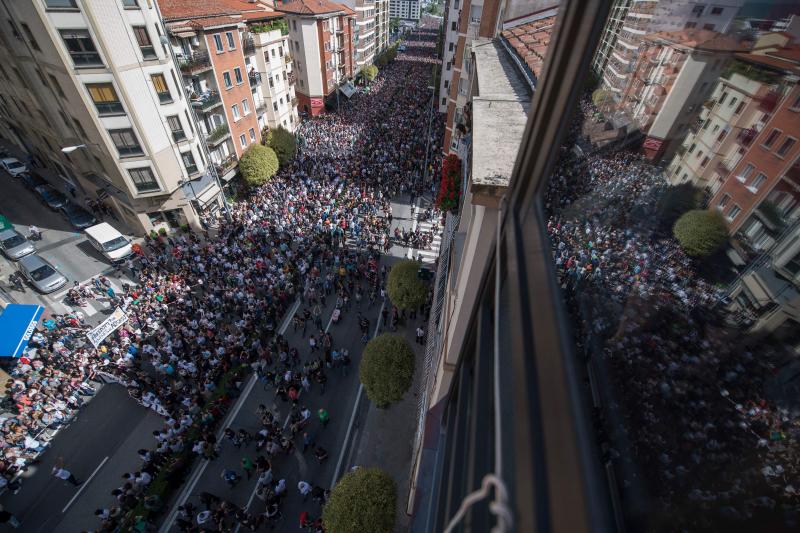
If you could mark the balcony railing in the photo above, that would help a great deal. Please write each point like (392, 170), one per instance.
(248, 46)
(226, 165)
(219, 133)
(207, 101)
(255, 79)
(195, 62)
(746, 136)
(292, 78)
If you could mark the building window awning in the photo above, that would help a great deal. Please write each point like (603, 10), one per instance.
(348, 89)
(202, 190)
(17, 323)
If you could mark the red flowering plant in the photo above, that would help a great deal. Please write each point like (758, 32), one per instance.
(450, 186)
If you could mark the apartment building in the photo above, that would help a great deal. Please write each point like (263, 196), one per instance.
(499, 79)
(211, 48)
(404, 9)
(620, 42)
(95, 78)
(673, 74)
(371, 29)
(745, 153)
(480, 20)
(322, 43)
(382, 17)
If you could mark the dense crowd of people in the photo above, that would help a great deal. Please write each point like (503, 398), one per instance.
(205, 311)
(714, 450)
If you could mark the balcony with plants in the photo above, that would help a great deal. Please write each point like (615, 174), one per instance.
(217, 135)
(194, 63)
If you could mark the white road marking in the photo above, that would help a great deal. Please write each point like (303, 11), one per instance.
(83, 485)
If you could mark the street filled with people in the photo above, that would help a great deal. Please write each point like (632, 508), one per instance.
(205, 309)
(698, 424)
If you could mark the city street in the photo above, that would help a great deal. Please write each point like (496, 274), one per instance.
(62, 245)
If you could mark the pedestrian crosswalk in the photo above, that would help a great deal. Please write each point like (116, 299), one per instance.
(98, 304)
(430, 254)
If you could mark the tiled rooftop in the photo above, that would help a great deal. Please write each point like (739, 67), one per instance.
(698, 39)
(530, 41)
(311, 7)
(190, 9)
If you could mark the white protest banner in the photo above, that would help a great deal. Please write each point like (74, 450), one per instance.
(107, 327)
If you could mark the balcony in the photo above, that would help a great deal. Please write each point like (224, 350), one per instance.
(293, 101)
(723, 169)
(219, 134)
(255, 79)
(207, 101)
(287, 59)
(194, 63)
(769, 101)
(747, 135)
(292, 78)
(248, 46)
(225, 166)
(261, 108)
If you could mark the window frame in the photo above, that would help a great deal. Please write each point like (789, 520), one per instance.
(105, 108)
(245, 107)
(178, 134)
(78, 39)
(218, 44)
(770, 139)
(787, 144)
(165, 97)
(235, 112)
(243, 140)
(136, 183)
(189, 162)
(73, 6)
(132, 150)
(227, 80)
(147, 49)
(230, 40)
(237, 75)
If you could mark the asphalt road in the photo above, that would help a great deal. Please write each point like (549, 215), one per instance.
(64, 246)
(111, 426)
(338, 399)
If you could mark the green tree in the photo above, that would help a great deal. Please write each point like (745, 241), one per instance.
(701, 232)
(364, 500)
(394, 24)
(677, 200)
(370, 72)
(405, 288)
(258, 164)
(600, 97)
(386, 369)
(284, 144)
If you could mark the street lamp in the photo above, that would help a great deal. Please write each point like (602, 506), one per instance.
(70, 149)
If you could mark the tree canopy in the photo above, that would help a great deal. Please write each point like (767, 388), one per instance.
(701, 232)
(406, 289)
(386, 369)
(284, 144)
(258, 164)
(364, 500)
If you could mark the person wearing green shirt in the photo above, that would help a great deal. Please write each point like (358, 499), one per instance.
(248, 466)
(324, 417)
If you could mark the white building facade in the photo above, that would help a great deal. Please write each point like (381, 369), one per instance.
(98, 76)
(404, 9)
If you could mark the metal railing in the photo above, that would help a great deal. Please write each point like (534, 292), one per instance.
(194, 62)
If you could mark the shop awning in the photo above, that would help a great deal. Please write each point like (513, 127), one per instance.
(347, 89)
(17, 323)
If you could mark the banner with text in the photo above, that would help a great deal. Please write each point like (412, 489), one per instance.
(107, 327)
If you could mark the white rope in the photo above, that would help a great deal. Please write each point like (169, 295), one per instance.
(499, 507)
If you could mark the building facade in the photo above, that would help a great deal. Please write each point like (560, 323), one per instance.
(673, 74)
(620, 44)
(404, 9)
(322, 43)
(97, 76)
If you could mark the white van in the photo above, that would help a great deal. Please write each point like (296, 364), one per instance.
(109, 242)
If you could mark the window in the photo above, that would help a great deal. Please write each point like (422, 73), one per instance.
(105, 98)
(453, 25)
(60, 4)
(271, 81)
(235, 111)
(699, 154)
(29, 35)
(709, 27)
(243, 140)
(145, 45)
(739, 108)
(747, 171)
(231, 42)
(450, 47)
(130, 3)
(722, 98)
(758, 181)
(274, 106)
(160, 83)
(237, 72)
(786, 146)
(81, 48)
(793, 265)
(735, 210)
(690, 25)
(692, 147)
(717, 10)
(697, 10)
(226, 78)
(724, 200)
(705, 161)
(125, 141)
(733, 101)
(252, 134)
(272, 52)
(176, 127)
(143, 179)
(56, 86)
(294, 25)
(245, 107)
(188, 162)
(771, 138)
(218, 43)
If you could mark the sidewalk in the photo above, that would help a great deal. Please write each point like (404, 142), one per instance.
(386, 436)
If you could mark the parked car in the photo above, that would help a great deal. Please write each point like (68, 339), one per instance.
(13, 166)
(43, 276)
(109, 242)
(51, 197)
(14, 244)
(78, 216)
(32, 181)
